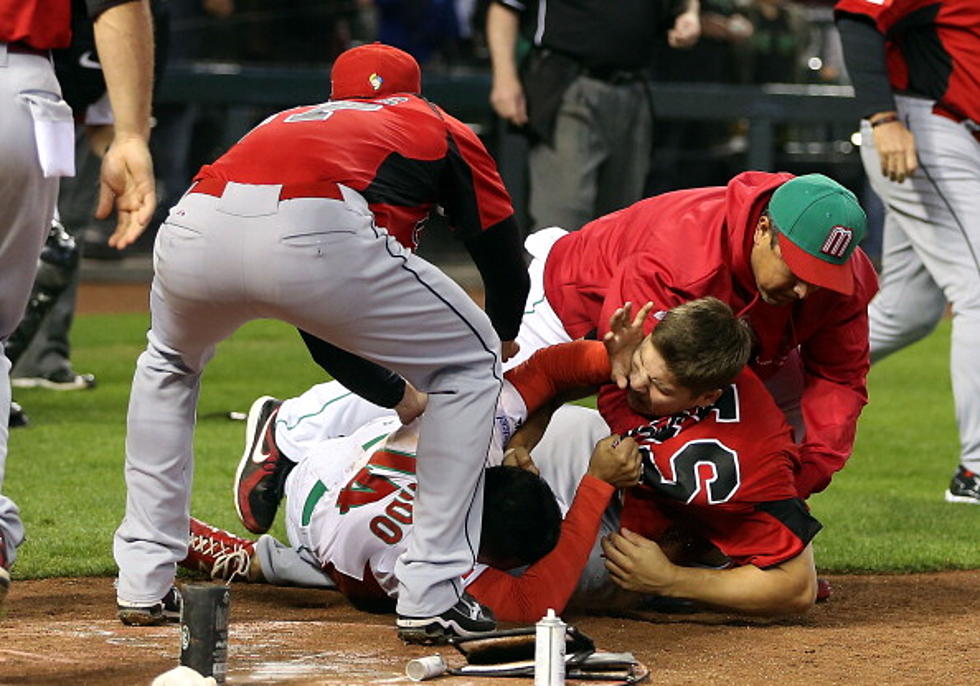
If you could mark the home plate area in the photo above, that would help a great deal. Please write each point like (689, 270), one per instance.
(908, 629)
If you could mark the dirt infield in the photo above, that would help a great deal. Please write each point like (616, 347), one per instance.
(913, 629)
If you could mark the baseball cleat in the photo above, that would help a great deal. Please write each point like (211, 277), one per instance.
(63, 379)
(464, 619)
(824, 590)
(221, 554)
(964, 487)
(18, 417)
(164, 612)
(262, 471)
(4, 574)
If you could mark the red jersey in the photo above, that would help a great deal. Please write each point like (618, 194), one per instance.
(723, 473)
(402, 153)
(679, 246)
(41, 24)
(932, 48)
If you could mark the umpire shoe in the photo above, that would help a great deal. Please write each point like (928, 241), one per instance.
(262, 471)
(221, 554)
(464, 619)
(163, 612)
(964, 488)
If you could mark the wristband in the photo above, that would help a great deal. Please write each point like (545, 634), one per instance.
(887, 119)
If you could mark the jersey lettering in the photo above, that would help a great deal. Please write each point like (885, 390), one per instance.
(726, 408)
(325, 110)
(368, 485)
(700, 465)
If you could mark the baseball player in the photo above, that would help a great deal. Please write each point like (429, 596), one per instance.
(780, 250)
(349, 501)
(769, 539)
(309, 219)
(36, 136)
(915, 65)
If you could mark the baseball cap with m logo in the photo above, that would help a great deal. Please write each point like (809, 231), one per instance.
(822, 223)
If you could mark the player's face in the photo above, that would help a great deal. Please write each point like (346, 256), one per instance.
(777, 284)
(653, 391)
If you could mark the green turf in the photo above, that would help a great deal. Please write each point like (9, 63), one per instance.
(884, 512)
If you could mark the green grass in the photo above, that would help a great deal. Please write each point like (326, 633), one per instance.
(884, 512)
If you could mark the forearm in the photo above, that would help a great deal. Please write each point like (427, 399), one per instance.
(502, 31)
(550, 581)
(789, 588)
(367, 379)
(559, 368)
(864, 55)
(830, 415)
(499, 257)
(124, 39)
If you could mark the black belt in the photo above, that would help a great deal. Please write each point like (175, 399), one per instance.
(613, 75)
(25, 49)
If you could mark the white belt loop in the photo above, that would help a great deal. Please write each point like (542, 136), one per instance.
(3, 54)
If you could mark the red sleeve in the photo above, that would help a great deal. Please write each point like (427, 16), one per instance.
(473, 193)
(557, 368)
(836, 362)
(550, 581)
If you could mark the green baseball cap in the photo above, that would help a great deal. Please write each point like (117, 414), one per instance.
(823, 224)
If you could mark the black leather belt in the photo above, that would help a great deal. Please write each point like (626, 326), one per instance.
(613, 75)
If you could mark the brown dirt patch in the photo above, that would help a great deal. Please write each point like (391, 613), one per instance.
(113, 298)
(912, 629)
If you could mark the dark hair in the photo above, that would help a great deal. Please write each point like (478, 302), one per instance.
(703, 343)
(521, 519)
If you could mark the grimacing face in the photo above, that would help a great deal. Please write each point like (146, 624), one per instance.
(777, 284)
(653, 391)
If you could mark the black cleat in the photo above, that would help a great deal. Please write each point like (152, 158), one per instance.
(164, 612)
(464, 619)
(964, 488)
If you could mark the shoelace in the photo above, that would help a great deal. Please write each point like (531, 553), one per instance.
(229, 561)
(231, 565)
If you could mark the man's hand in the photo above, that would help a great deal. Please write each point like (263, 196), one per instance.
(896, 148)
(508, 349)
(518, 456)
(127, 181)
(616, 461)
(507, 98)
(686, 30)
(622, 338)
(411, 405)
(638, 564)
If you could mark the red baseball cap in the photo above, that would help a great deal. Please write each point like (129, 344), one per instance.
(374, 70)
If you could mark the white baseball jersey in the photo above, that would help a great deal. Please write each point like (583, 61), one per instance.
(350, 497)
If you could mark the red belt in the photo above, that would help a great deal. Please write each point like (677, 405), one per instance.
(289, 191)
(24, 48)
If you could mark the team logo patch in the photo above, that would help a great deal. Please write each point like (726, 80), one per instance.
(375, 80)
(838, 241)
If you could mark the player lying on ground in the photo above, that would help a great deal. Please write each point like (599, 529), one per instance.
(780, 587)
(349, 504)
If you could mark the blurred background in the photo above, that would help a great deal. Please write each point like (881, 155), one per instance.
(765, 88)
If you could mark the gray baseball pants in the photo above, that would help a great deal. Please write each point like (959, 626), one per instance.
(599, 160)
(28, 200)
(932, 254)
(323, 266)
